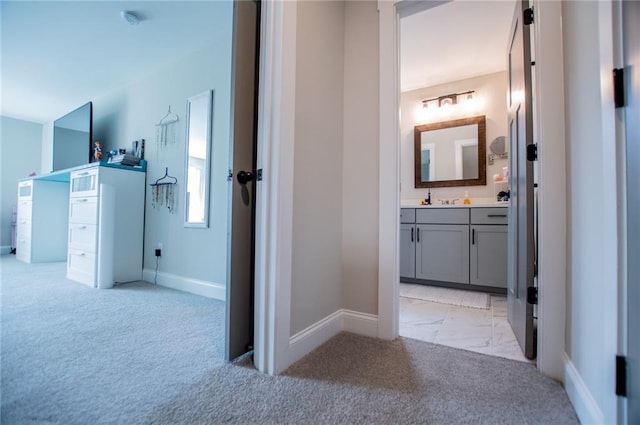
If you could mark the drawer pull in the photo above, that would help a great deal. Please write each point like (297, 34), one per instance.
(86, 173)
(496, 215)
(82, 227)
(81, 254)
(83, 200)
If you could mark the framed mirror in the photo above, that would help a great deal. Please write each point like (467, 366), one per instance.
(198, 159)
(451, 153)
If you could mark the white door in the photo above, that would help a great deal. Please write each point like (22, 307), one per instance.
(240, 268)
(631, 16)
(520, 127)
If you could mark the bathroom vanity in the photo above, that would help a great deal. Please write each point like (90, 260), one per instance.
(459, 246)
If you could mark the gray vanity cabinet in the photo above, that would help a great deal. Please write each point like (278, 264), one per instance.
(454, 246)
(407, 242)
(488, 247)
(407, 250)
(442, 252)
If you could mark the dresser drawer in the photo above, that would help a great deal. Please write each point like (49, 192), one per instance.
(83, 210)
(25, 210)
(25, 190)
(407, 215)
(23, 248)
(489, 215)
(442, 215)
(82, 237)
(81, 266)
(83, 183)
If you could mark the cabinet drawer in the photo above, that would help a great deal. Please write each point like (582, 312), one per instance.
(82, 237)
(442, 215)
(407, 215)
(23, 249)
(81, 266)
(83, 183)
(83, 210)
(489, 215)
(25, 208)
(25, 190)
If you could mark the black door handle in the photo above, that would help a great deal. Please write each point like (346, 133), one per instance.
(412, 234)
(244, 177)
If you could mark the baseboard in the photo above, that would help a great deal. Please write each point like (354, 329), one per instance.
(186, 284)
(360, 323)
(320, 332)
(5, 250)
(583, 402)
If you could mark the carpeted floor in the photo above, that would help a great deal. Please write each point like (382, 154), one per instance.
(141, 354)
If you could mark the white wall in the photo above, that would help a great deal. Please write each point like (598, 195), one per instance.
(492, 91)
(132, 114)
(20, 149)
(591, 226)
(360, 158)
(316, 290)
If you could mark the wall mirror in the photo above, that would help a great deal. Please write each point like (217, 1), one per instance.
(198, 159)
(451, 153)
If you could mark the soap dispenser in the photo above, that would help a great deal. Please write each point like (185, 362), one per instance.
(466, 200)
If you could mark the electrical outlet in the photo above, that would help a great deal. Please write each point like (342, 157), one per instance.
(158, 252)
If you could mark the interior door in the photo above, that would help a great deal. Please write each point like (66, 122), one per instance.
(240, 265)
(631, 37)
(521, 247)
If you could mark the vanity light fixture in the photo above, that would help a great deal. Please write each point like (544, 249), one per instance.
(130, 17)
(448, 99)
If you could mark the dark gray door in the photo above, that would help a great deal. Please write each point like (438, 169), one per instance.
(521, 249)
(240, 269)
(631, 13)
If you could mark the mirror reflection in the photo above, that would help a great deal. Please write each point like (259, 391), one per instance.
(198, 149)
(451, 153)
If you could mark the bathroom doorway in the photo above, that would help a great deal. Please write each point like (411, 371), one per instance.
(461, 75)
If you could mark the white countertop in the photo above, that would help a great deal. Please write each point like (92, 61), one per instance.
(458, 204)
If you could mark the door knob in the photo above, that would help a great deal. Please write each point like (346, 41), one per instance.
(244, 177)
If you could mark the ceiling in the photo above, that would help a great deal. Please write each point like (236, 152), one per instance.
(58, 55)
(453, 41)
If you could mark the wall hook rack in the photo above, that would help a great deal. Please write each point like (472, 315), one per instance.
(164, 191)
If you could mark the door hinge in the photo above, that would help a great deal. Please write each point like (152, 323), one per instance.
(259, 174)
(532, 295)
(618, 87)
(532, 152)
(621, 376)
(230, 175)
(528, 16)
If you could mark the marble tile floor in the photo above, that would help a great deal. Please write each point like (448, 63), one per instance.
(483, 331)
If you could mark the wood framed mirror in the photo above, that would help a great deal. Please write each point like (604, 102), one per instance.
(451, 153)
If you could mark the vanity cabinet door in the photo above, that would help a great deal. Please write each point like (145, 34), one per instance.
(442, 252)
(407, 250)
(489, 257)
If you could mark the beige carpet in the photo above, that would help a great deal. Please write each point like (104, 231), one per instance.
(436, 294)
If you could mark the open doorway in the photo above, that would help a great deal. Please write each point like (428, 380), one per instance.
(453, 291)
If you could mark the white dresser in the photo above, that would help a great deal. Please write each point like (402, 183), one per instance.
(41, 223)
(106, 225)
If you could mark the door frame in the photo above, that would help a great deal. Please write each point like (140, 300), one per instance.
(549, 125)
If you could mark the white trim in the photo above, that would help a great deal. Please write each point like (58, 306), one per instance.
(388, 183)
(583, 402)
(552, 196)
(360, 323)
(320, 332)
(274, 197)
(186, 284)
(314, 336)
